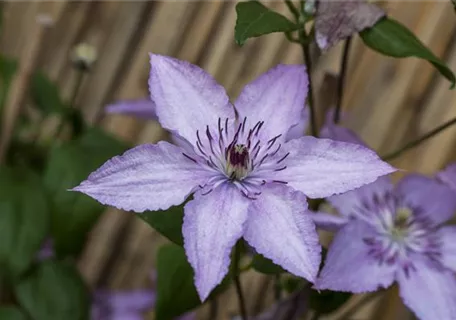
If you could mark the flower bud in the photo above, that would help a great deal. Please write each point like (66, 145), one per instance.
(84, 56)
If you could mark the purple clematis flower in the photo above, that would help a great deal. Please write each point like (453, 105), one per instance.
(141, 108)
(394, 234)
(127, 305)
(247, 180)
(448, 176)
(337, 20)
(145, 109)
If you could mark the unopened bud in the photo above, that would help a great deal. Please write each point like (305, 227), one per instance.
(84, 56)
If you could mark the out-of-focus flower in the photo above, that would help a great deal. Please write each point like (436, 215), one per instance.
(127, 305)
(336, 132)
(84, 56)
(448, 176)
(394, 234)
(339, 19)
(247, 180)
(141, 108)
(46, 251)
(397, 234)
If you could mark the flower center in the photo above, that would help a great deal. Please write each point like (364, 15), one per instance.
(401, 230)
(238, 161)
(240, 154)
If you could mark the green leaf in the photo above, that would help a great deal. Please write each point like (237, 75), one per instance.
(254, 20)
(11, 313)
(46, 95)
(326, 301)
(167, 222)
(265, 265)
(8, 68)
(24, 220)
(393, 39)
(73, 213)
(176, 293)
(54, 291)
(47, 98)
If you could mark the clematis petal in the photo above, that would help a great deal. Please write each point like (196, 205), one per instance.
(187, 98)
(337, 20)
(142, 108)
(212, 225)
(436, 201)
(187, 316)
(137, 300)
(347, 203)
(148, 177)
(321, 167)
(348, 265)
(328, 221)
(448, 176)
(299, 130)
(124, 316)
(430, 292)
(336, 132)
(448, 240)
(280, 227)
(277, 97)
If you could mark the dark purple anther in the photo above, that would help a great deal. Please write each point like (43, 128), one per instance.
(239, 156)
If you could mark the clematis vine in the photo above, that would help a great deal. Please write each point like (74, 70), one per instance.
(395, 234)
(247, 180)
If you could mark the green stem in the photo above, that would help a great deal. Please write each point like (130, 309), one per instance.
(342, 76)
(363, 301)
(237, 281)
(418, 141)
(290, 38)
(277, 287)
(74, 94)
(292, 9)
(310, 96)
(213, 308)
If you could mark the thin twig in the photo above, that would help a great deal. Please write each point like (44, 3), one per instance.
(418, 141)
(277, 287)
(74, 94)
(237, 281)
(342, 75)
(362, 302)
(303, 41)
(310, 96)
(292, 9)
(213, 309)
(291, 38)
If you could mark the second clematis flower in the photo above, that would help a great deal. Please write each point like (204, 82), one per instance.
(393, 234)
(246, 179)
